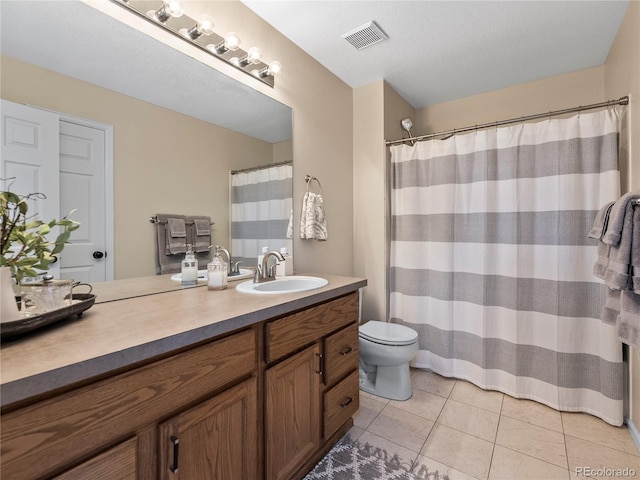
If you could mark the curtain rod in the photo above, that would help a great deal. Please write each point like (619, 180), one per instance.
(261, 167)
(419, 138)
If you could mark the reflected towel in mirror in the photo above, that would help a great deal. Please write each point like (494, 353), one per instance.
(176, 236)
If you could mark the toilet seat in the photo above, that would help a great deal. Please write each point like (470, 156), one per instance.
(387, 333)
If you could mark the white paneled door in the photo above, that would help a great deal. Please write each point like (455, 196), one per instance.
(30, 159)
(72, 172)
(82, 187)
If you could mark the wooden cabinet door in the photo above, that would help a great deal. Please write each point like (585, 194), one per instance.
(215, 440)
(292, 415)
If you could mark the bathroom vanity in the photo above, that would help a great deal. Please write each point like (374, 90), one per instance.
(184, 384)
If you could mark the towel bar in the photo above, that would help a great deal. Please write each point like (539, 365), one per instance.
(154, 219)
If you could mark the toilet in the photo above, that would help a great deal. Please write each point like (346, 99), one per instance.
(385, 352)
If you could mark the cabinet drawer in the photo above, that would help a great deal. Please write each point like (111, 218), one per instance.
(288, 334)
(340, 403)
(55, 432)
(341, 353)
(117, 462)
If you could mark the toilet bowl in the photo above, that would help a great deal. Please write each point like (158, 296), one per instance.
(385, 352)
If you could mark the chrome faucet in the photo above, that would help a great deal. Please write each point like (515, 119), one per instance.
(263, 272)
(235, 268)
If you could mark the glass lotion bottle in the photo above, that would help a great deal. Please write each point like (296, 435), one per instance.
(189, 267)
(217, 273)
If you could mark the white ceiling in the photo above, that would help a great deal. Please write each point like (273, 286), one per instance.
(444, 50)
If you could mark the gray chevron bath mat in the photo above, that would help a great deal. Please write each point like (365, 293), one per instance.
(349, 460)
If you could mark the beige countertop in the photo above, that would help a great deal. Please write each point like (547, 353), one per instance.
(114, 334)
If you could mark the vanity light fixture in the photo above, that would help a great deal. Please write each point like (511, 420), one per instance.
(169, 14)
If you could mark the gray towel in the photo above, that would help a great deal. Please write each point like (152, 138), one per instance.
(619, 266)
(614, 263)
(635, 251)
(629, 319)
(620, 213)
(600, 223)
(202, 234)
(611, 309)
(176, 236)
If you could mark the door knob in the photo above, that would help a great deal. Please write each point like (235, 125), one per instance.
(98, 254)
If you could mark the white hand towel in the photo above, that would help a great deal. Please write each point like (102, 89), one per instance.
(313, 224)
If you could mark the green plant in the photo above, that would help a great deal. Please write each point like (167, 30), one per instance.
(24, 246)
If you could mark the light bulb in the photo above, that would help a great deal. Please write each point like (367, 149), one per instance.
(274, 68)
(170, 8)
(204, 26)
(254, 55)
(232, 41)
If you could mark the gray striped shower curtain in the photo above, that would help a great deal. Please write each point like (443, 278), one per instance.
(261, 203)
(490, 260)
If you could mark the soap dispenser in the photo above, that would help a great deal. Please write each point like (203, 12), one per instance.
(286, 267)
(189, 267)
(217, 273)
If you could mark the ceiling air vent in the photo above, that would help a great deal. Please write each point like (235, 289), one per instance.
(364, 36)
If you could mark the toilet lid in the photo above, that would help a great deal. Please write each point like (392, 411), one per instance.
(388, 333)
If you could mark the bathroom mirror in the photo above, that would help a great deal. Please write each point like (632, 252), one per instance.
(198, 123)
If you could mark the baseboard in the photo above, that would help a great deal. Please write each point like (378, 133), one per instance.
(635, 433)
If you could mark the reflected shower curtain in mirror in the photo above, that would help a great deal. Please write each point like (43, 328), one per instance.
(261, 203)
(491, 263)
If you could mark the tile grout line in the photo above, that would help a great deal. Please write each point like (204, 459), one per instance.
(495, 438)
(435, 422)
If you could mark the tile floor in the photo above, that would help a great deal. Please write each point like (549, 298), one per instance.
(466, 433)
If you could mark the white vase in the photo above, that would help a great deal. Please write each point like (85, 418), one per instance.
(8, 306)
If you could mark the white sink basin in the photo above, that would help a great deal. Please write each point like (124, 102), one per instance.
(293, 284)
(203, 277)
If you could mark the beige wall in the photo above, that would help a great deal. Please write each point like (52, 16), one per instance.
(368, 197)
(622, 77)
(153, 173)
(377, 110)
(555, 93)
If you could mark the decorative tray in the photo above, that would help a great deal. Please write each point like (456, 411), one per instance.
(81, 302)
